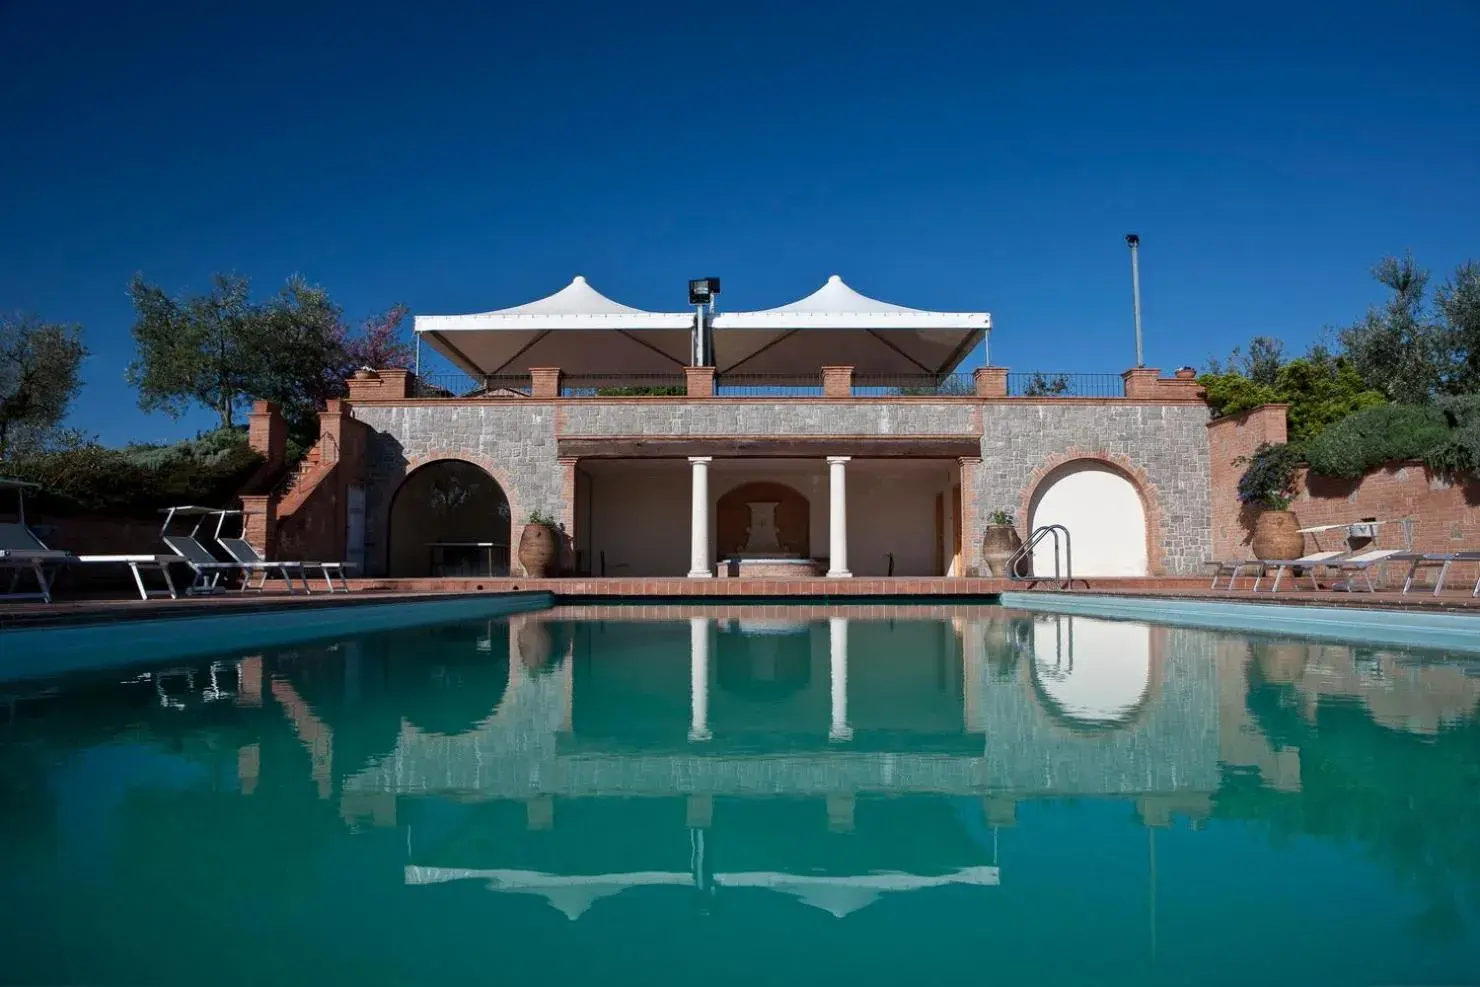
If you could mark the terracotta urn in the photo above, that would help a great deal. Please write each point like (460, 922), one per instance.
(1277, 536)
(999, 544)
(537, 550)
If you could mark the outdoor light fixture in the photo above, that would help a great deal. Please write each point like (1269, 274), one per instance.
(703, 290)
(1133, 241)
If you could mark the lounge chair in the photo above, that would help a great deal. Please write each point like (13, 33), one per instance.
(138, 565)
(1233, 569)
(1362, 563)
(1304, 562)
(252, 561)
(22, 552)
(208, 570)
(1443, 560)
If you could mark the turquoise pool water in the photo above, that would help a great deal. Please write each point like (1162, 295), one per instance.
(749, 796)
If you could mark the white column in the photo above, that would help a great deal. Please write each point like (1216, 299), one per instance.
(699, 566)
(838, 516)
(698, 678)
(837, 628)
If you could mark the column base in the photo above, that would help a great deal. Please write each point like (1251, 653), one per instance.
(839, 574)
(699, 736)
(700, 574)
(840, 735)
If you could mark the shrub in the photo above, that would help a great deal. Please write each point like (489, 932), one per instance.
(140, 480)
(1374, 436)
(1269, 481)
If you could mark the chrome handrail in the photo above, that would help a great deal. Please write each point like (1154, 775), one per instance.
(1066, 579)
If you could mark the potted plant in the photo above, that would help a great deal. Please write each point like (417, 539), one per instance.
(539, 545)
(1268, 486)
(1000, 543)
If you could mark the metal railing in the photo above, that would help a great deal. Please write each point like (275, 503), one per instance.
(1063, 578)
(913, 385)
(1041, 384)
(739, 385)
(623, 385)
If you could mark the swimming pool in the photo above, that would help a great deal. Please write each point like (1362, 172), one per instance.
(749, 794)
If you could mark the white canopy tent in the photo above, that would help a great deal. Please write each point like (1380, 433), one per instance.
(582, 331)
(836, 325)
(577, 329)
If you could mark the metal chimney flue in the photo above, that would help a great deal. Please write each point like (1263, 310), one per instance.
(1133, 241)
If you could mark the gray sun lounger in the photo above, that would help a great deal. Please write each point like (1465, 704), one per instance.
(22, 552)
(252, 561)
(1443, 560)
(138, 565)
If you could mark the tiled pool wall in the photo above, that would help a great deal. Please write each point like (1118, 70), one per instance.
(28, 652)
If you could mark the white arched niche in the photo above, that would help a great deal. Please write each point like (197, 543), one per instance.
(1103, 512)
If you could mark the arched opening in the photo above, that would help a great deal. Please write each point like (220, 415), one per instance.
(449, 518)
(780, 509)
(1103, 512)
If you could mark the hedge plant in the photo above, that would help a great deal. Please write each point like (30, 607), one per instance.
(1374, 436)
(139, 480)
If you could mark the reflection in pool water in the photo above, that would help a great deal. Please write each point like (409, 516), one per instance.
(589, 796)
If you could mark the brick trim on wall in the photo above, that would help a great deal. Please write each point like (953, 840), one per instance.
(1150, 497)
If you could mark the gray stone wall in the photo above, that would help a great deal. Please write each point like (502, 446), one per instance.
(517, 440)
(1164, 446)
(1167, 444)
(719, 417)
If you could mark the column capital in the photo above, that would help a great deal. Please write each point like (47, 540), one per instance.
(701, 459)
(969, 460)
(568, 460)
(834, 460)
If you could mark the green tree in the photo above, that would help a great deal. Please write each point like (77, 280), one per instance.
(1458, 304)
(196, 348)
(1398, 348)
(40, 374)
(300, 359)
(1319, 388)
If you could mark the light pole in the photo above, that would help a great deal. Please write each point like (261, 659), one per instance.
(1134, 242)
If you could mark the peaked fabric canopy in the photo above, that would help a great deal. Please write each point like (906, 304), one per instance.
(577, 329)
(836, 325)
(581, 331)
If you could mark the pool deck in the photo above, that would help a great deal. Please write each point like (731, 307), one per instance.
(749, 592)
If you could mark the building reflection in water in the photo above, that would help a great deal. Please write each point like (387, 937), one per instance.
(579, 758)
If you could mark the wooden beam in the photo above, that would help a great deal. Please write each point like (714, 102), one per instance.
(791, 447)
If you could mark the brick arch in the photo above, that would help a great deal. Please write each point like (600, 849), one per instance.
(500, 476)
(1150, 496)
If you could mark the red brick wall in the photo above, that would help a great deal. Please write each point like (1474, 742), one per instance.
(1446, 516)
(1228, 440)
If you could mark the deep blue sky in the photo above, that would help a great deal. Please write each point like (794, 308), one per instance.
(463, 156)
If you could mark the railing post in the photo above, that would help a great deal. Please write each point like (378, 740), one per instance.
(699, 382)
(837, 382)
(991, 382)
(544, 382)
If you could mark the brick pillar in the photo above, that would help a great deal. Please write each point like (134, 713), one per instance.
(1141, 383)
(837, 382)
(259, 523)
(970, 531)
(544, 382)
(1228, 440)
(991, 382)
(267, 432)
(699, 381)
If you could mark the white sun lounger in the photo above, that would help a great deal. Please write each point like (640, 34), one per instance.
(1362, 564)
(1232, 569)
(1443, 560)
(22, 552)
(1304, 562)
(138, 565)
(207, 570)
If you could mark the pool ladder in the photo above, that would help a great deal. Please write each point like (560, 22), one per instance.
(1063, 579)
